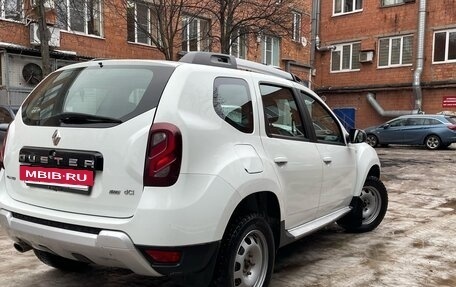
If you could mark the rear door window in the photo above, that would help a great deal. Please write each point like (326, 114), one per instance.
(95, 96)
(431, 122)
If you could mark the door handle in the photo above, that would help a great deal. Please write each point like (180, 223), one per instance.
(280, 160)
(327, 159)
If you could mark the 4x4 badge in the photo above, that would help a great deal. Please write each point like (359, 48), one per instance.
(56, 137)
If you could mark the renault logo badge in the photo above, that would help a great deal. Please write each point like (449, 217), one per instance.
(56, 137)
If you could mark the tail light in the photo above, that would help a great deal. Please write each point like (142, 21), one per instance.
(2, 151)
(452, 127)
(164, 155)
(164, 256)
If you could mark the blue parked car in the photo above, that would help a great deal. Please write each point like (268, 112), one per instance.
(432, 131)
(7, 114)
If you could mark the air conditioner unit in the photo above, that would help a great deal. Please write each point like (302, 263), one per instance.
(366, 56)
(54, 35)
(48, 4)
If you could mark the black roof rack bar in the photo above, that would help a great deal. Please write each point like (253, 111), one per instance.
(228, 61)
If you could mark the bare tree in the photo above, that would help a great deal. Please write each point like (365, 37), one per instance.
(44, 37)
(159, 22)
(236, 19)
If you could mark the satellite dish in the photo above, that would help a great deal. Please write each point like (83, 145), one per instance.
(32, 73)
(304, 41)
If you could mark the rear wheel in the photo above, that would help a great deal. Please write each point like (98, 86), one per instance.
(372, 140)
(370, 208)
(432, 142)
(59, 262)
(246, 257)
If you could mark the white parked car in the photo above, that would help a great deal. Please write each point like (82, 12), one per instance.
(199, 169)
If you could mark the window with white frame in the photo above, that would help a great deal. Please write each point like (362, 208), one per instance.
(11, 9)
(392, 2)
(84, 16)
(445, 46)
(141, 23)
(195, 34)
(271, 50)
(345, 57)
(296, 32)
(238, 43)
(395, 51)
(347, 6)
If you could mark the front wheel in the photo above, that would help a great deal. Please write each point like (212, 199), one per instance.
(247, 253)
(370, 208)
(432, 142)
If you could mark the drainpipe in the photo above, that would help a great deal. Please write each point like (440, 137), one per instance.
(420, 56)
(324, 48)
(316, 4)
(373, 102)
(417, 93)
(7, 77)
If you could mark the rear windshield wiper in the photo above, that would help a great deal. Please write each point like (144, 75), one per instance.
(79, 118)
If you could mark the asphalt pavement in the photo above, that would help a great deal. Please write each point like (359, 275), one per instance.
(413, 247)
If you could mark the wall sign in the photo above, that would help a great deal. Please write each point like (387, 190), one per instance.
(449, 102)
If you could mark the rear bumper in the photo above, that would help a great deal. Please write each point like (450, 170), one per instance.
(103, 247)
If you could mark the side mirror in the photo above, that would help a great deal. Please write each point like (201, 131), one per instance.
(385, 126)
(357, 136)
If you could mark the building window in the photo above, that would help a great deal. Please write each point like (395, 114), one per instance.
(395, 51)
(195, 34)
(345, 57)
(83, 16)
(11, 9)
(141, 24)
(270, 51)
(347, 6)
(445, 46)
(392, 2)
(238, 47)
(296, 27)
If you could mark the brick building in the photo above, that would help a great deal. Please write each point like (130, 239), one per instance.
(370, 63)
(99, 30)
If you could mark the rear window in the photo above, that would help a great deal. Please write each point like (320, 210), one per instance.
(104, 95)
(451, 120)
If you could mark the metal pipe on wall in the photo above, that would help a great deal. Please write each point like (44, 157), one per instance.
(420, 55)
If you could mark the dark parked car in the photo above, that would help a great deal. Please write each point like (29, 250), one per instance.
(7, 114)
(432, 131)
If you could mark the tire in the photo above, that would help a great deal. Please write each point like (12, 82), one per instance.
(372, 140)
(247, 253)
(432, 142)
(59, 262)
(370, 210)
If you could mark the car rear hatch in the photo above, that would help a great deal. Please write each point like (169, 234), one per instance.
(79, 144)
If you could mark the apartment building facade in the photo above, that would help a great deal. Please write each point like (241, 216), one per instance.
(382, 58)
(82, 30)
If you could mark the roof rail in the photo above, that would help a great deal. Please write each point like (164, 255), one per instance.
(228, 61)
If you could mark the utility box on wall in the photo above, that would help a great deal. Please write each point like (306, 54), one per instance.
(53, 33)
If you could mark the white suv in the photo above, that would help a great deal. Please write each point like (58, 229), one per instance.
(199, 169)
